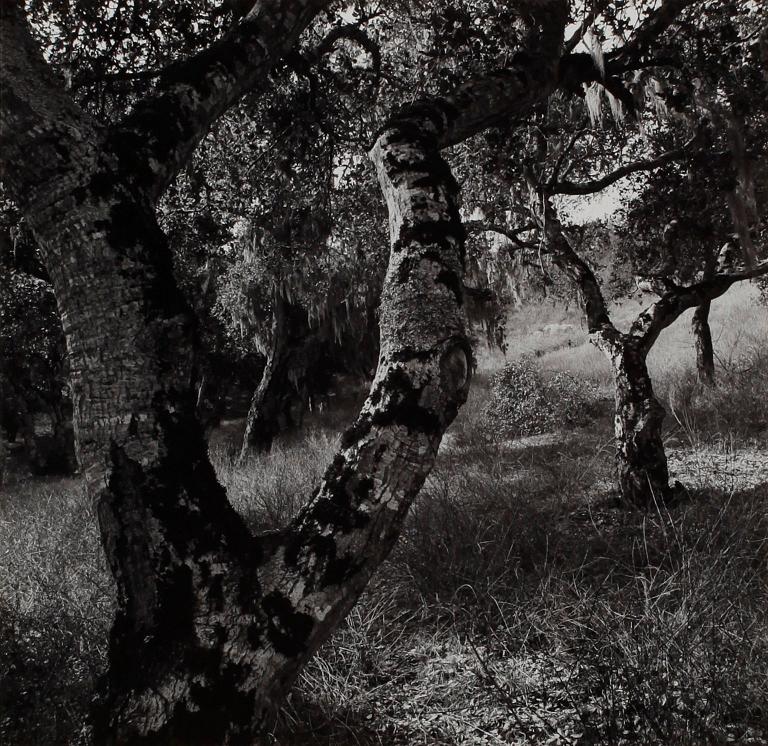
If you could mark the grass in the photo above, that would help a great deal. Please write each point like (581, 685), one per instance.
(521, 605)
(56, 603)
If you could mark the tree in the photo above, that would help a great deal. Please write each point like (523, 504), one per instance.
(677, 217)
(213, 624)
(286, 236)
(689, 277)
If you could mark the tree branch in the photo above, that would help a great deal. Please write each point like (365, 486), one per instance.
(118, 77)
(634, 52)
(493, 99)
(165, 127)
(513, 235)
(564, 256)
(589, 19)
(659, 315)
(563, 155)
(353, 33)
(590, 187)
(37, 116)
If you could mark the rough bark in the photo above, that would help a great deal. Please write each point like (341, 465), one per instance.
(219, 622)
(641, 461)
(641, 464)
(213, 624)
(702, 339)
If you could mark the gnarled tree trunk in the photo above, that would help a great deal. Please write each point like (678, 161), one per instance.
(641, 461)
(213, 624)
(702, 340)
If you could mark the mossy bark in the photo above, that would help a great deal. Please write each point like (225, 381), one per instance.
(213, 624)
(641, 461)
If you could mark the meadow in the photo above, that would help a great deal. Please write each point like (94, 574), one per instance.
(522, 604)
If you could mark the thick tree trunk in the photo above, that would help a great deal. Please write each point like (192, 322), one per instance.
(702, 336)
(213, 624)
(641, 461)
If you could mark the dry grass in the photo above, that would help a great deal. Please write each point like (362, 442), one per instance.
(56, 603)
(521, 606)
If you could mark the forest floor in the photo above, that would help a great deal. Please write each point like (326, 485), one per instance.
(522, 605)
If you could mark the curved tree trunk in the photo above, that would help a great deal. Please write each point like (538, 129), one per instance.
(213, 624)
(702, 336)
(641, 461)
(282, 390)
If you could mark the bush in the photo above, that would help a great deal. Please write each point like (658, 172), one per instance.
(524, 402)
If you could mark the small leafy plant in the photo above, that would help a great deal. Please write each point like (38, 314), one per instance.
(524, 402)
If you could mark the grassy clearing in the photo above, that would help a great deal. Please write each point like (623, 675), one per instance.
(521, 606)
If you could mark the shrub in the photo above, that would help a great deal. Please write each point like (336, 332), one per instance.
(524, 402)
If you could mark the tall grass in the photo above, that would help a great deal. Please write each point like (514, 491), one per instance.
(521, 605)
(56, 601)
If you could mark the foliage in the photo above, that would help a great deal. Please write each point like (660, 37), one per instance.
(109, 53)
(736, 407)
(523, 402)
(32, 357)
(262, 208)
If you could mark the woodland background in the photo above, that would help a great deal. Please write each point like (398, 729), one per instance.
(587, 563)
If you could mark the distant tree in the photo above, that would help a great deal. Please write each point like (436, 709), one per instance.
(691, 219)
(699, 192)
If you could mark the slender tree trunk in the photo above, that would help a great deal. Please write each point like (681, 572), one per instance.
(29, 436)
(64, 435)
(641, 461)
(702, 335)
(293, 352)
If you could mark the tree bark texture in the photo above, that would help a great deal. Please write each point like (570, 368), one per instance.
(281, 397)
(702, 339)
(641, 461)
(302, 360)
(213, 624)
